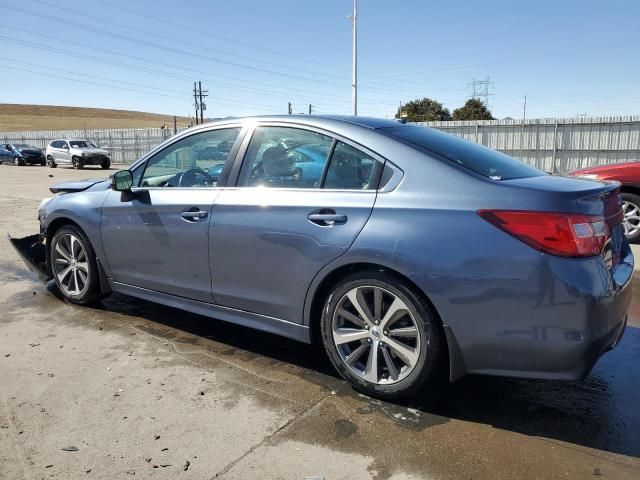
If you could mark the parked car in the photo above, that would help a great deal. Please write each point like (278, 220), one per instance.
(78, 153)
(409, 252)
(629, 175)
(24, 154)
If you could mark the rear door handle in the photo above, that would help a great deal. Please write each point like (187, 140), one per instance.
(193, 214)
(327, 219)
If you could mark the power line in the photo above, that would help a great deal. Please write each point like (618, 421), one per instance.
(165, 73)
(164, 48)
(149, 91)
(173, 39)
(140, 68)
(219, 37)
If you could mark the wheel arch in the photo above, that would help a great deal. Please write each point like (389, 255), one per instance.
(321, 288)
(58, 223)
(629, 188)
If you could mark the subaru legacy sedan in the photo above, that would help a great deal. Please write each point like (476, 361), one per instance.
(403, 250)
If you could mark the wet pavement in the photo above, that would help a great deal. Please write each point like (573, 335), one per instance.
(146, 390)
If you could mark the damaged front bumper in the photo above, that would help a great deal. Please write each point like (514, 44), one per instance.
(33, 252)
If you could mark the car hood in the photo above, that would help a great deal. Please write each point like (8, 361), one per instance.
(29, 151)
(77, 186)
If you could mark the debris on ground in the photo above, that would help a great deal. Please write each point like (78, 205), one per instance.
(70, 449)
(185, 467)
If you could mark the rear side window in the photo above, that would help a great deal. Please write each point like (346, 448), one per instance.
(480, 159)
(351, 169)
(284, 157)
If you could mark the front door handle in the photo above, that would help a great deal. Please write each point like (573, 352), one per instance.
(327, 219)
(194, 214)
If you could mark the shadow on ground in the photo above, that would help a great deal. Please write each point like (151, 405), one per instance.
(599, 412)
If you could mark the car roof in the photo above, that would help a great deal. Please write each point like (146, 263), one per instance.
(318, 120)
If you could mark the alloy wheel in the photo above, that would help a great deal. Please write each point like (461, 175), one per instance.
(70, 264)
(376, 335)
(631, 218)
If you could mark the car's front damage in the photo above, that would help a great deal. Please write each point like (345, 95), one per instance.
(33, 249)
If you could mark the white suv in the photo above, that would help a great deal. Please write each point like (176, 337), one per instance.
(77, 153)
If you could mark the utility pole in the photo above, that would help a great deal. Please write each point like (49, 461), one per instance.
(354, 81)
(524, 109)
(175, 125)
(310, 109)
(203, 106)
(195, 101)
(290, 108)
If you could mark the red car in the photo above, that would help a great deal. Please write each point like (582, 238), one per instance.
(629, 175)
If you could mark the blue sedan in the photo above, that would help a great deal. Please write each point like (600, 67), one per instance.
(404, 251)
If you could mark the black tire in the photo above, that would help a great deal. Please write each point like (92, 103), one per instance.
(106, 164)
(433, 348)
(19, 162)
(51, 162)
(43, 162)
(77, 163)
(92, 291)
(633, 200)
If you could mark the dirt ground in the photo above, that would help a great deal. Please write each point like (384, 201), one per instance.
(129, 388)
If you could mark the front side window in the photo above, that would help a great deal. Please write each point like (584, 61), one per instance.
(79, 144)
(194, 161)
(284, 157)
(351, 169)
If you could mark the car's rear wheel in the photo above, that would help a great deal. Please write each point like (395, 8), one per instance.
(631, 210)
(381, 335)
(51, 162)
(73, 265)
(77, 163)
(106, 164)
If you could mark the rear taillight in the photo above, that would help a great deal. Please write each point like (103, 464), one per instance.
(562, 234)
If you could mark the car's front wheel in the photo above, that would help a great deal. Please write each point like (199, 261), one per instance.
(19, 162)
(106, 164)
(77, 163)
(73, 265)
(51, 162)
(381, 335)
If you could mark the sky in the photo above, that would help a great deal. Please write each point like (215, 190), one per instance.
(569, 57)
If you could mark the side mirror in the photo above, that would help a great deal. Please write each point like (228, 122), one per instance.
(122, 181)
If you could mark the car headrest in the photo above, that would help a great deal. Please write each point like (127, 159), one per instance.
(276, 162)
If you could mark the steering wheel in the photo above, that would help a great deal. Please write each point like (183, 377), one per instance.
(189, 177)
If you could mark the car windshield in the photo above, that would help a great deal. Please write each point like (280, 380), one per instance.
(25, 146)
(478, 158)
(80, 144)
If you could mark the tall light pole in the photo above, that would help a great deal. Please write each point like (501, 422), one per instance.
(354, 82)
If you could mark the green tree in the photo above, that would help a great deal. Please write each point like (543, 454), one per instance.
(423, 110)
(474, 109)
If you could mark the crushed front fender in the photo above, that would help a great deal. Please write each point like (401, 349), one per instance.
(34, 254)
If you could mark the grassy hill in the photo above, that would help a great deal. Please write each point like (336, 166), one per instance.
(16, 117)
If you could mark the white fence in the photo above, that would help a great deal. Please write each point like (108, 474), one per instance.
(553, 145)
(125, 144)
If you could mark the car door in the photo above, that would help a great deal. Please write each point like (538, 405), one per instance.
(5, 154)
(61, 152)
(278, 227)
(157, 237)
